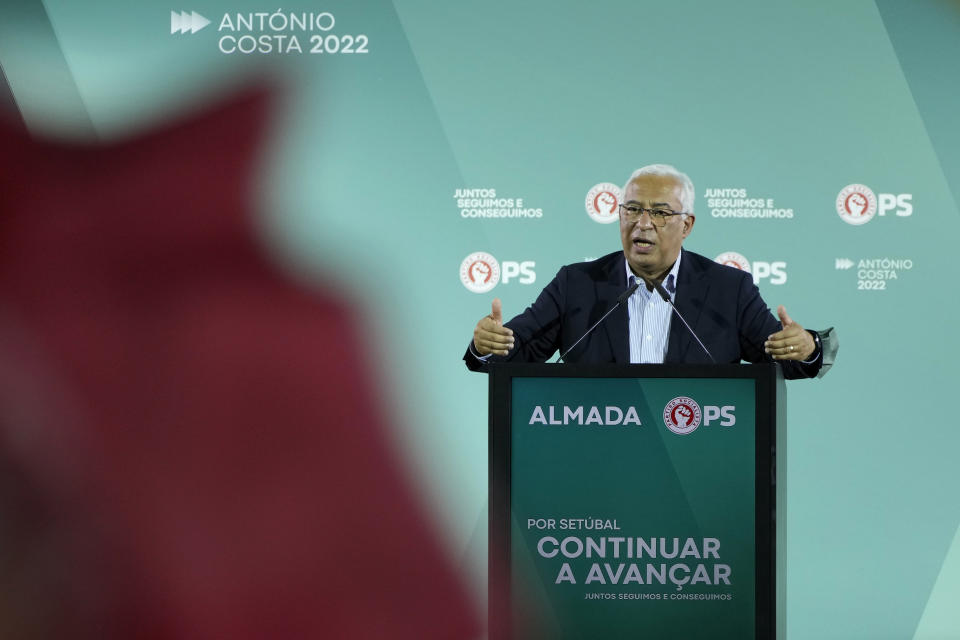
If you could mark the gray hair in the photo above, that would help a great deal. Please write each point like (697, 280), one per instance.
(687, 194)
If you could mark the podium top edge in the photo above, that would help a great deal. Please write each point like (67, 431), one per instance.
(612, 370)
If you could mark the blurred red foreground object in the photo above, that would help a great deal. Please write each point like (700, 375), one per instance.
(190, 444)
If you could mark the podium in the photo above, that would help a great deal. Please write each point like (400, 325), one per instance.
(634, 501)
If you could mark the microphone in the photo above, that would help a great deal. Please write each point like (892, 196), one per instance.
(620, 300)
(666, 298)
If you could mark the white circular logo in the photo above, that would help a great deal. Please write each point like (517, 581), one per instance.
(682, 415)
(479, 272)
(734, 259)
(856, 204)
(602, 202)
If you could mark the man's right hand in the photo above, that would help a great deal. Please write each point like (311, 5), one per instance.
(490, 336)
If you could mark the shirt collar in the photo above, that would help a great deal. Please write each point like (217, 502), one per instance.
(669, 282)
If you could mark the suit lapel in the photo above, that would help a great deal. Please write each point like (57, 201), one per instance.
(617, 325)
(692, 290)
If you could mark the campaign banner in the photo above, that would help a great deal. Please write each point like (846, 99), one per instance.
(634, 507)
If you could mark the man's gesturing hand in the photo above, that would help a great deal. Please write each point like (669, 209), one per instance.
(792, 343)
(490, 336)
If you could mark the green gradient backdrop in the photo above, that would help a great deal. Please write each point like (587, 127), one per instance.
(539, 100)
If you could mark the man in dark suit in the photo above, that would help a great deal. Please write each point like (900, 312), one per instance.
(722, 304)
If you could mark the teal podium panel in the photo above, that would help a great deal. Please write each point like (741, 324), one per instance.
(633, 501)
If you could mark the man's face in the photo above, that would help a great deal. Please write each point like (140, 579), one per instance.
(649, 249)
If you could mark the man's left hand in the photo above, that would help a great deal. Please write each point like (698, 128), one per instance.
(792, 343)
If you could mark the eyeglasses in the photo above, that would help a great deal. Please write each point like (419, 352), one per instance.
(658, 217)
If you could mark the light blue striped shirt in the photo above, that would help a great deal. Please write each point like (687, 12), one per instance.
(650, 318)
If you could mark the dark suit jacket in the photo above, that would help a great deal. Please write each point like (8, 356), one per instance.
(721, 303)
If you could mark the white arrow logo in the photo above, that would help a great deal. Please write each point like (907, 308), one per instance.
(843, 263)
(185, 21)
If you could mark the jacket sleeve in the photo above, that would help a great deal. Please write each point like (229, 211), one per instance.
(536, 331)
(756, 323)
